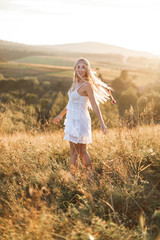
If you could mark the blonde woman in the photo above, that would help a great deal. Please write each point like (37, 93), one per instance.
(86, 91)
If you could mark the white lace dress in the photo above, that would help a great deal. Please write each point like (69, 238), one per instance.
(78, 121)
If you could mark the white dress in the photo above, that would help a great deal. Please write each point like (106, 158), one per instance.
(78, 121)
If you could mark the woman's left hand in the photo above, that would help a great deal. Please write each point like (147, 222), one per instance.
(113, 101)
(57, 119)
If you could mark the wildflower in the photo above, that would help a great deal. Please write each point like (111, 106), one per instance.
(91, 237)
(150, 150)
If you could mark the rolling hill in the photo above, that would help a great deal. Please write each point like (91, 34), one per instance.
(82, 47)
(97, 48)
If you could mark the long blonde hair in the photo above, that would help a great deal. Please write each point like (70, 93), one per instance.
(101, 94)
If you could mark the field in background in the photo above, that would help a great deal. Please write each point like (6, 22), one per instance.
(60, 67)
(143, 68)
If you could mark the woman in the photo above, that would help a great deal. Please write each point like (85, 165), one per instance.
(86, 91)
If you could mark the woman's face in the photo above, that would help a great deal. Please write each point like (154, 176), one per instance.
(81, 69)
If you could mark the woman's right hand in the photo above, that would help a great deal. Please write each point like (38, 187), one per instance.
(104, 128)
(57, 119)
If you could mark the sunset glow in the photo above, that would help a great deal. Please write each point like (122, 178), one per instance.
(131, 24)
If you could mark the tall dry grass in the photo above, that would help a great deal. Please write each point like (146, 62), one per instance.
(39, 200)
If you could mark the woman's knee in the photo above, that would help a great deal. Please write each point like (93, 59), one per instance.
(74, 149)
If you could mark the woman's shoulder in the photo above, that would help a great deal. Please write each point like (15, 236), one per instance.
(88, 85)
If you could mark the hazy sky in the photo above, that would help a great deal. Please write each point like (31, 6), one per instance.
(131, 24)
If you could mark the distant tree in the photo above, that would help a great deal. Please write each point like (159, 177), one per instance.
(46, 85)
(44, 103)
(122, 82)
(6, 98)
(58, 105)
(110, 115)
(59, 85)
(31, 98)
(125, 91)
(14, 93)
(127, 98)
(149, 106)
(124, 75)
(34, 80)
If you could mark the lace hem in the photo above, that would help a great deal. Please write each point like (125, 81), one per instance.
(84, 140)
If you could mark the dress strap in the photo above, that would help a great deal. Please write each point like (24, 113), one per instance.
(80, 86)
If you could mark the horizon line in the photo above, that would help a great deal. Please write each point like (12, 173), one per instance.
(30, 44)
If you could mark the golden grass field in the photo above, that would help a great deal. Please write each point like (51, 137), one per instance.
(39, 200)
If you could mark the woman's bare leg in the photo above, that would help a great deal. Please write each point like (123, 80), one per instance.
(74, 151)
(86, 159)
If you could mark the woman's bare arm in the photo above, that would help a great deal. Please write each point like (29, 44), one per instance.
(60, 116)
(95, 107)
(64, 111)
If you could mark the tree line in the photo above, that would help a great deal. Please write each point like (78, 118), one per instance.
(27, 103)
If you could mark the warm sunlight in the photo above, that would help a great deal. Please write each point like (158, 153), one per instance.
(79, 119)
(129, 24)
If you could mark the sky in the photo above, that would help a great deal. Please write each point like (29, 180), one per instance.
(132, 24)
